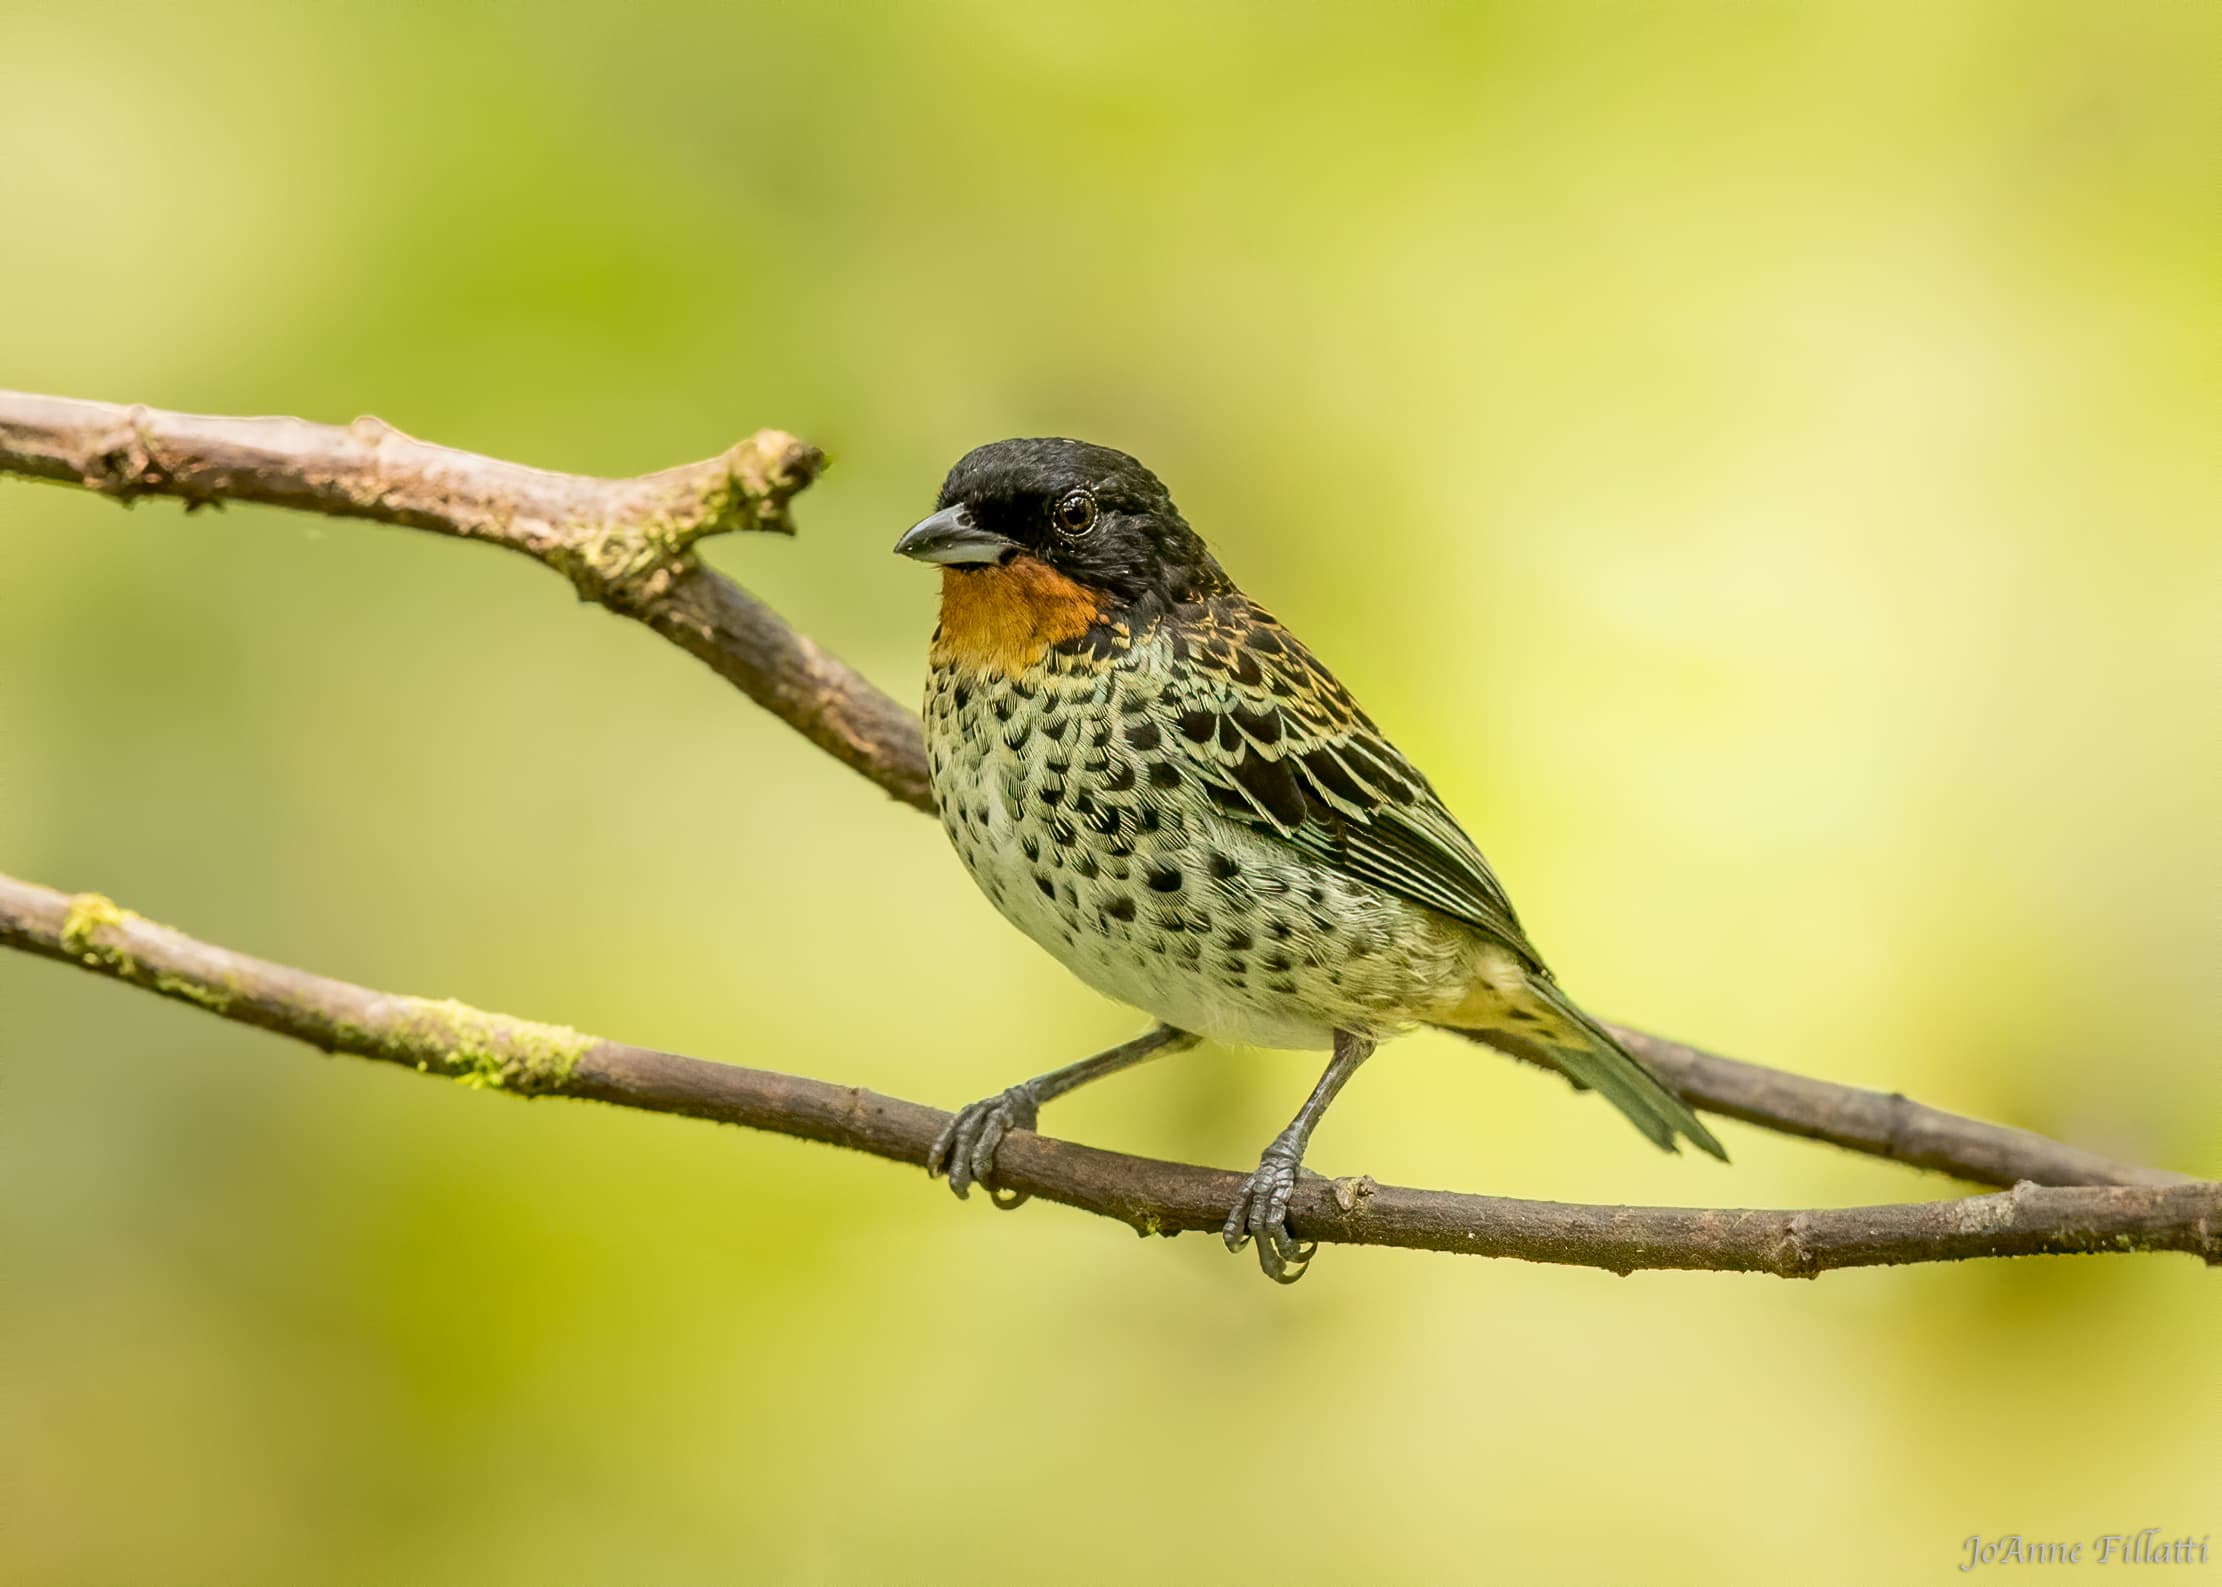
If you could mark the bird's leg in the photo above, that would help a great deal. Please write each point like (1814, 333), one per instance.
(965, 1150)
(1261, 1205)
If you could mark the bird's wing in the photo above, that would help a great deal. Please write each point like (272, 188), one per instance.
(1281, 745)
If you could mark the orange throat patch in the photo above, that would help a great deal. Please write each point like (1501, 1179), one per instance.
(1004, 619)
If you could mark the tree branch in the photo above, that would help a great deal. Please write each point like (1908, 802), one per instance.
(1152, 1197)
(628, 544)
(1880, 1124)
(624, 543)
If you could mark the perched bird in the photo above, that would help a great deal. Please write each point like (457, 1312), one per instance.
(1153, 779)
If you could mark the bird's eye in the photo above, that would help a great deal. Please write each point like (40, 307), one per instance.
(1074, 514)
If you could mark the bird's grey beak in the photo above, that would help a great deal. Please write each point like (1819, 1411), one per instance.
(951, 538)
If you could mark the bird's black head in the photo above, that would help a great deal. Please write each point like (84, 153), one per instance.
(1093, 514)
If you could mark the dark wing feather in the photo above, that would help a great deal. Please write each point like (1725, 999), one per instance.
(1279, 743)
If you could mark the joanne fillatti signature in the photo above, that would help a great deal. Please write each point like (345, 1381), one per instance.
(2108, 1548)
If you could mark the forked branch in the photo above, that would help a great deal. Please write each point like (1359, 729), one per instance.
(628, 544)
(624, 543)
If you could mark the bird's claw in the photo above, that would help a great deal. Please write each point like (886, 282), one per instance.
(1261, 1210)
(965, 1149)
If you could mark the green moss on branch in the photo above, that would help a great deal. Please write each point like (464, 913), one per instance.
(486, 1051)
(89, 915)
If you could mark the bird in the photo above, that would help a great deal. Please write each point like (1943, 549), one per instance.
(1156, 781)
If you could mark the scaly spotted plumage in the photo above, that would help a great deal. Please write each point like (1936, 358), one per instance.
(1141, 802)
(1162, 786)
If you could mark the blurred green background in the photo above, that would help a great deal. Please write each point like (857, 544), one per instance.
(1764, 460)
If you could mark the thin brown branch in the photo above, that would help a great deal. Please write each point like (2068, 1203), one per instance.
(627, 544)
(624, 543)
(1150, 1196)
(1881, 1124)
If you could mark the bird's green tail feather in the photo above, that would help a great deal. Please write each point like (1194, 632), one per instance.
(1589, 1056)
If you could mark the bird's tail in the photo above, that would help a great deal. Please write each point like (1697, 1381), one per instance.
(1540, 1023)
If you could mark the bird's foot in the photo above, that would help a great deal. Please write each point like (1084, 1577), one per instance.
(1261, 1211)
(965, 1150)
